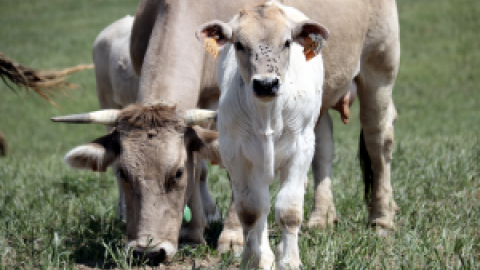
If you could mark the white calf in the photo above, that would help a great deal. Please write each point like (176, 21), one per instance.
(270, 102)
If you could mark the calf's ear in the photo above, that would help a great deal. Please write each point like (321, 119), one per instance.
(214, 35)
(204, 143)
(312, 36)
(96, 155)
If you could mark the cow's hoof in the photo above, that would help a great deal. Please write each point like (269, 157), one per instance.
(286, 264)
(321, 220)
(382, 229)
(267, 262)
(290, 265)
(231, 241)
(191, 236)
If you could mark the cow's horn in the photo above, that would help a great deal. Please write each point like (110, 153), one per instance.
(197, 116)
(104, 117)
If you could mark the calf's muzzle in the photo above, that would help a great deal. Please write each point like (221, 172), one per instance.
(265, 86)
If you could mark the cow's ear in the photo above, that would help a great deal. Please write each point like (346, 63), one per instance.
(214, 35)
(204, 143)
(96, 155)
(312, 36)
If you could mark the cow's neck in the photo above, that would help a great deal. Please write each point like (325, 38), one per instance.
(172, 67)
(265, 126)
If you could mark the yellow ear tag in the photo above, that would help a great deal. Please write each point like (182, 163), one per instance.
(313, 45)
(210, 45)
(308, 49)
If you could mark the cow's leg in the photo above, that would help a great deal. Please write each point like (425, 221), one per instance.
(192, 232)
(323, 211)
(289, 203)
(209, 206)
(231, 237)
(377, 114)
(252, 202)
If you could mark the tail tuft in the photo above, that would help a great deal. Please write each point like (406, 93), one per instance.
(44, 83)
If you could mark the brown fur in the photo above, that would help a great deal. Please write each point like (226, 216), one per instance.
(146, 117)
(44, 83)
(290, 219)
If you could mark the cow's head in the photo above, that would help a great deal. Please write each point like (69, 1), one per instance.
(153, 147)
(262, 37)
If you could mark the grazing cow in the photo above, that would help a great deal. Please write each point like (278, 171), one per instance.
(155, 177)
(269, 104)
(117, 87)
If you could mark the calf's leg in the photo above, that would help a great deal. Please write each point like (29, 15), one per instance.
(289, 202)
(252, 202)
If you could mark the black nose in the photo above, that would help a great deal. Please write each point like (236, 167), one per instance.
(266, 87)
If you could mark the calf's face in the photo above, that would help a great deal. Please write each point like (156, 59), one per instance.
(262, 37)
(153, 150)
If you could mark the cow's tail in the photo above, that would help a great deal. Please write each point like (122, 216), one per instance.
(44, 83)
(366, 165)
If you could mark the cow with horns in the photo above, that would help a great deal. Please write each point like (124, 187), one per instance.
(155, 176)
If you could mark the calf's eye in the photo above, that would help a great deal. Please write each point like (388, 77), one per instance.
(287, 43)
(239, 46)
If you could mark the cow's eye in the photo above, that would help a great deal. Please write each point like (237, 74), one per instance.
(179, 174)
(287, 43)
(239, 46)
(174, 180)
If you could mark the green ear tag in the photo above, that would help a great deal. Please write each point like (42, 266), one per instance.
(187, 214)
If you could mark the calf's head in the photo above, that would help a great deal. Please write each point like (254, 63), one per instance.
(262, 37)
(153, 149)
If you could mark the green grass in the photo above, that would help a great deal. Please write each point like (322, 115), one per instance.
(52, 217)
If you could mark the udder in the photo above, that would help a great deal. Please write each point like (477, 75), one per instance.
(345, 102)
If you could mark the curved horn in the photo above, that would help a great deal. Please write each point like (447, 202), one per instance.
(197, 116)
(104, 117)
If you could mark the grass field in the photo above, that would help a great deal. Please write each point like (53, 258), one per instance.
(52, 217)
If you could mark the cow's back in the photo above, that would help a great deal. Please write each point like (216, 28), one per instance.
(117, 84)
(354, 26)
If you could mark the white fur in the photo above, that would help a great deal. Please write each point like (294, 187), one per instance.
(258, 140)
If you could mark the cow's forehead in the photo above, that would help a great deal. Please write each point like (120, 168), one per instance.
(265, 24)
